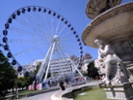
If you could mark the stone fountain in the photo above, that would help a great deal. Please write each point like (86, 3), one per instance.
(112, 23)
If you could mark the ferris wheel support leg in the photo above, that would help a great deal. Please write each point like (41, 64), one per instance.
(43, 65)
(79, 72)
(46, 75)
(70, 60)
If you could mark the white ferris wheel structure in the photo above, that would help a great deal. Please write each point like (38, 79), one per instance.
(34, 32)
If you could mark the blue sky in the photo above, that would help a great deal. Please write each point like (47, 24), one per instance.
(71, 10)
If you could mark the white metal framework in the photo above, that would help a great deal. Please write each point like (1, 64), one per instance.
(45, 66)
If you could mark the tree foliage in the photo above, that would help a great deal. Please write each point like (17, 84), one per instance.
(87, 56)
(24, 81)
(92, 71)
(37, 68)
(21, 82)
(7, 75)
(73, 57)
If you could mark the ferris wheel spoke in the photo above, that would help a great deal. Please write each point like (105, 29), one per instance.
(69, 47)
(24, 32)
(25, 24)
(61, 54)
(63, 50)
(25, 41)
(27, 50)
(66, 39)
(47, 33)
(65, 34)
(40, 24)
(57, 27)
(52, 26)
(61, 31)
(72, 48)
(28, 25)
(72, 41)
(46, 25)
(33, 58)
(36, 25)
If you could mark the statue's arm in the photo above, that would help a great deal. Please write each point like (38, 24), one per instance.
(99, 55)
(105, 51)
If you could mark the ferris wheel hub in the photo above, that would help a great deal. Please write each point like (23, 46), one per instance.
(55, 38)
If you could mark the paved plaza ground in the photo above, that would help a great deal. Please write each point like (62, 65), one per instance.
(48, 95)
(43, 96)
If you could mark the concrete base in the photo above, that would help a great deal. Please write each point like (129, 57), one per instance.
(119, 92)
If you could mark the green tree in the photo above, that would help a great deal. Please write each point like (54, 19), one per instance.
(37, 68)
(92, 71)
(24, 81)
(21, 82)
(87, 56)
(28, 81)
(7, 75)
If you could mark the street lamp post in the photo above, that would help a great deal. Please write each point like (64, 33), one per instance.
(17, 71)
(17, 86)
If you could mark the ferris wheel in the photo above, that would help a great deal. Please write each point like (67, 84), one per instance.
(32, 33)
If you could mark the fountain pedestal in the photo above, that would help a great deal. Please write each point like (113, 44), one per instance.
(119, 92)
(115, 27)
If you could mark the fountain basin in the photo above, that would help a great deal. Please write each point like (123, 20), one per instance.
(115, 27)
(96, 7)
(111, 26)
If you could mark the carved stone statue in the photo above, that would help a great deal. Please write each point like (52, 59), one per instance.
(110, 65)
